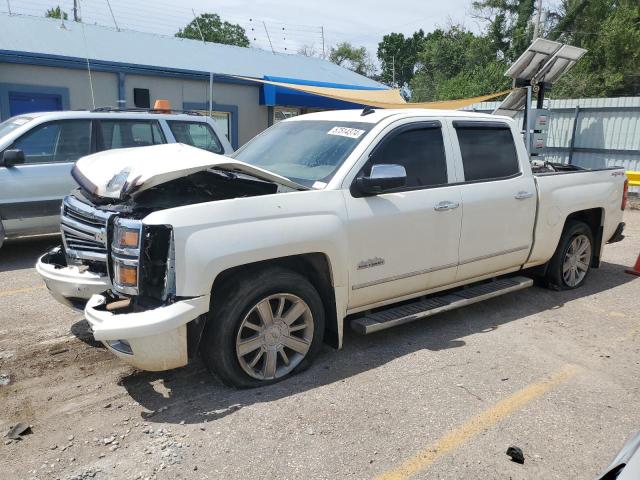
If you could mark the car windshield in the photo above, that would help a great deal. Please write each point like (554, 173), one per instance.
(12, 123)
(304, 151)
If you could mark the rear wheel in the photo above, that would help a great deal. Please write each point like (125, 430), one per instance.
(570, 264)
(264, 328)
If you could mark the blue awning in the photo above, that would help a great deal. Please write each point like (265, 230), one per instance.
(272, 95)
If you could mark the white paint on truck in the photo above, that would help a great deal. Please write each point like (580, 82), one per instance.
(381, 248)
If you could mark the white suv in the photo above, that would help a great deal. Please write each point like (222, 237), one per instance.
(38, 150)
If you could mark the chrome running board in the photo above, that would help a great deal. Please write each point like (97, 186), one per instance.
(394, 316)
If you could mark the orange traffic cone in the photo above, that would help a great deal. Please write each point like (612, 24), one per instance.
(636, 268)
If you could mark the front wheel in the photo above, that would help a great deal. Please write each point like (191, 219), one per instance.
(570, 264)
(263, 328)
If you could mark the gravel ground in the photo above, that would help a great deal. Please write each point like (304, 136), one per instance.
(441, 398)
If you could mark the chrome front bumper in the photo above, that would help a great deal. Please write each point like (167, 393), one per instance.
(154, 339)
(68, 284)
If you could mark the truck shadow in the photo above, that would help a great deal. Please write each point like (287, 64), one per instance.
(192, 395)
(23, 253)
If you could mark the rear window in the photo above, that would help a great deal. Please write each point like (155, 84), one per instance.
(128, 134)
(198, 134)
(488, 151)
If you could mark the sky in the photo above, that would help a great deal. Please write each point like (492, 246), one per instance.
(285, 25)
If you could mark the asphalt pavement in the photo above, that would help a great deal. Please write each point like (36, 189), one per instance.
(556, 374)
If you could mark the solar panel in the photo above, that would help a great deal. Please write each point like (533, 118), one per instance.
(543, 62)
(559, 64)
(514, 102)
(532, 59)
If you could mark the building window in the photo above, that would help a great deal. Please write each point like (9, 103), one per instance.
(282, 113)
(223, 122)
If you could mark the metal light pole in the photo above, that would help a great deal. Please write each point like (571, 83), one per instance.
(536, 25)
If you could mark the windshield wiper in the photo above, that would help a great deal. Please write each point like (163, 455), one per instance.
(232, 175)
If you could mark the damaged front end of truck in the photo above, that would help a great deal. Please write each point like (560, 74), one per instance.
(119, 269)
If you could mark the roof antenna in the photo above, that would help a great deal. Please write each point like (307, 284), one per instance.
(367, 110)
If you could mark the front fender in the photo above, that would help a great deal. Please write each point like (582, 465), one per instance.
(214, 236)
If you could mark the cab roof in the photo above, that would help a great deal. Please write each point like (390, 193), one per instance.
(379, 114)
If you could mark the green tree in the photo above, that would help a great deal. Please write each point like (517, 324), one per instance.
(456, 63)
(56, 13)
(353, 58)
(509, 24)
(214, 30)
(398, 57)
(610, 31)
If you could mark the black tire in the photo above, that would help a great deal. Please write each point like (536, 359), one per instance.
(234, 302)
(555, 279)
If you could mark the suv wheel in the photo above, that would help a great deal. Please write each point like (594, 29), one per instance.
(264, 328)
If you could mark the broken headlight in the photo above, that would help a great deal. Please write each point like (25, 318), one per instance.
(142, 259)
(125, 255)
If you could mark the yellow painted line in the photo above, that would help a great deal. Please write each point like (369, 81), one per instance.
(477, 424)
(8, 293)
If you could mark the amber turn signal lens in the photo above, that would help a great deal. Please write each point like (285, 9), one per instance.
(127, 276)
(129, 238)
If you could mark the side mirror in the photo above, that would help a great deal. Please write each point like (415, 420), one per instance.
(12, 157)
(383, 177)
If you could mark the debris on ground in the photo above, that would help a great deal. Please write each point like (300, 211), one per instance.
(18, 430)
(516, 454)
(223, 411)
(86, 474)
(5, 379)
(57, 350)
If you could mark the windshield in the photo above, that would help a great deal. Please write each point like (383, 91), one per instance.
(304, 151)
(12, 123)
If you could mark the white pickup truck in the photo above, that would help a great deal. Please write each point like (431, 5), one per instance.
(368, 218)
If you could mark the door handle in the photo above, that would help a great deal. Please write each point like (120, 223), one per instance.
(446, 205)
(522, 195)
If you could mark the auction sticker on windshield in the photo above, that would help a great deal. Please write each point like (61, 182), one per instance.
(346, 132)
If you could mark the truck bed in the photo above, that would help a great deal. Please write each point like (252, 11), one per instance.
(593, 192)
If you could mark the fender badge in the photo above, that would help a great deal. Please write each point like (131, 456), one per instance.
(371, 262)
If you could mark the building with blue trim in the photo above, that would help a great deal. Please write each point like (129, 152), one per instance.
(48, 64)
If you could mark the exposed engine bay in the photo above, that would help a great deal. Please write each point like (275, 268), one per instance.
(107, 237)
(200, 187)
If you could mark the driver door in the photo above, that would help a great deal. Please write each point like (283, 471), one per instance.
(405, 241)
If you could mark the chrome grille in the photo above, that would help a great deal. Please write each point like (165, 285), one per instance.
(84, 231)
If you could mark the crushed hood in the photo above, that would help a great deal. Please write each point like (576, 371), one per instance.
(120, 173)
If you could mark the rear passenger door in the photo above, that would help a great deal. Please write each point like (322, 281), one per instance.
(498, 198)
(405, 240)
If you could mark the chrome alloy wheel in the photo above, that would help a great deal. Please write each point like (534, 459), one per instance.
(576, 260)
(275, 336)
